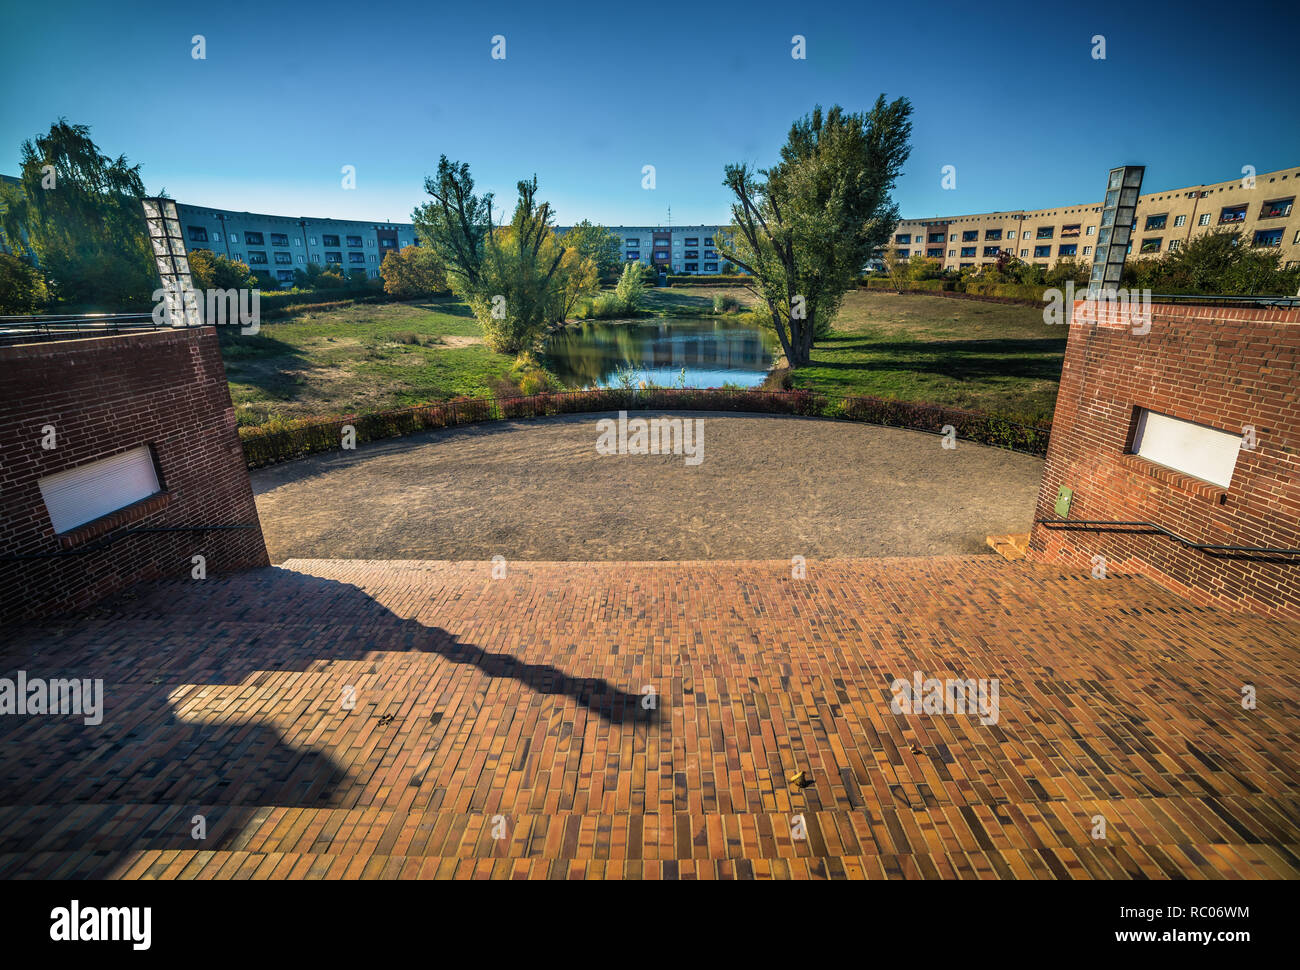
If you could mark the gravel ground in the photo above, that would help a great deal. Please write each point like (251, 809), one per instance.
(769, 487)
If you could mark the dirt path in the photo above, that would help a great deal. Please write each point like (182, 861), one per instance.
(769, 487)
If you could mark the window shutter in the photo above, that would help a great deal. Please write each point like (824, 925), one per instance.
(83, 494)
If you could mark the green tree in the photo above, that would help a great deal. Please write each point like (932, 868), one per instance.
(413, 271)
(79, 213)
(598, 244)
(631, 288)
(22, 288)
(511, 275)
(318, 277)
(804, 228)
(212, 271)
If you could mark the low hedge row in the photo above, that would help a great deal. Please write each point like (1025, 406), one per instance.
(267, 445)
(1029, 293)
(708, 280)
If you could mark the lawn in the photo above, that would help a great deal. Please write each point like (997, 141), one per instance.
(366, 357)
(984, 356)
(994, 357)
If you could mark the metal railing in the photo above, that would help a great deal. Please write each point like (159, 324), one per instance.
(28, 328)
(1113, 524)
(112, 537)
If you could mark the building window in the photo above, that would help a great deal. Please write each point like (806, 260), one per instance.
(1269, 237)
(279, 239)
(313, 240)
(91, 491)
(1024, 253)
(633, 255)
(708, 240)
(256, 258)
(1042, 251)
(934, 253)
(952, 253)
(356, 257)
(239, 257)
(1204, 220)
(198, 234)
(330, 240)
(1180, 221)
(992, 250)
(1194, 449)
(1067, 249)
(283, 259)
(1087, 250)
(967, 252)
(333, 257)
(692, 254)
(904, 254)
(693, 241)
(971, 235)
(1068, 232)
(633, 243)
(661, 254)
(710, 267)
(1092, 230)
(354, 242)
(1045, 232)
(1155, 222)
(1151, 245)
(1276, 208)
(284, 275)
(936, 237)
(253, 238)
(300, 258)
(1232, 213)
(1175, 244)
(903, 239)
(992, 235)
(692, 267)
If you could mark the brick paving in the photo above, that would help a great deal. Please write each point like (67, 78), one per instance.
(514, 707)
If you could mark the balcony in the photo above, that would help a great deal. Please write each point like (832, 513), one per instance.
(1276, 210)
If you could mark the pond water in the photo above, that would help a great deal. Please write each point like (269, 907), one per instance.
(713, 352)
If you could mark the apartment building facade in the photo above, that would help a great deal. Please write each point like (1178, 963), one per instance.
(281, 244)
(1260, 207)
(680, 250)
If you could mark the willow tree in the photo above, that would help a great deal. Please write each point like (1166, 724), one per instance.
(805, 228)
(78, 212)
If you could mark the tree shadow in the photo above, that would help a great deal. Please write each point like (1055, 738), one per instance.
(137, 781)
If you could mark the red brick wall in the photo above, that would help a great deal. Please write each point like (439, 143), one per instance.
(1227, 368)
(104, 395)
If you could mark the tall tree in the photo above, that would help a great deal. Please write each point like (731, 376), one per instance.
(805, 228)
(602, 246)
(79, 213)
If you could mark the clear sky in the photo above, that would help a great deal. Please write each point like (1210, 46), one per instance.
(289, 93)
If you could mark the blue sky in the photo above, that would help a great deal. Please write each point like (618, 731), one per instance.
(1008, 93)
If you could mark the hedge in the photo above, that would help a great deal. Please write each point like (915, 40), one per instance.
(267, 445)
(709, 280)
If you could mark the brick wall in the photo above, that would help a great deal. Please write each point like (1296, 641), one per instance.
(166, 389)
(1222, 367)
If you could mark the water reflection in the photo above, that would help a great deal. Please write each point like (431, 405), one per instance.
(713, 353)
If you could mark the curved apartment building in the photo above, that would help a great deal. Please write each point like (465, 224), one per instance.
(1262, 210)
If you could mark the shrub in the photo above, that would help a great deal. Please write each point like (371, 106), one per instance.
(726, 303)
(631, 287)
(22, 287)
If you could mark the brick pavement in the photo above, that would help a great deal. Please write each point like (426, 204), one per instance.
(516, 704)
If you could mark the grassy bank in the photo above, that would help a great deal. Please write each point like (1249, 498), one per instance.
(996, 358)
(358, 359)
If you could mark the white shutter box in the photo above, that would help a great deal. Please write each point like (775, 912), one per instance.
(83, 494)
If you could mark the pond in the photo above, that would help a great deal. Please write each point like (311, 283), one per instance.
(712, 352)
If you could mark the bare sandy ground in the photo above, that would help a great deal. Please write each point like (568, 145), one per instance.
(769, 487)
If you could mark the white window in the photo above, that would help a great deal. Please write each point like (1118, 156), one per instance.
(1204, 220)
(1180, 221)
(1092, 230)
(1174, 244)
(87, 492)
(1087, 250)
(297, 242)
(216, 237)
(239, 257)
(1024, 253)
(1011, 234)
(1194, 449)
(300, 258)
(313, 240)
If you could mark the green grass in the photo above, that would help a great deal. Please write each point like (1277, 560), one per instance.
(358, 359)
(998, 358)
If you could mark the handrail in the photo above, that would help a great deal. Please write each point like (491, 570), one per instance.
(112, 537)
(1202, 546)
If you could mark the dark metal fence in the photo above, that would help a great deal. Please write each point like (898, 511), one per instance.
(72, 326)
(272, 443)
